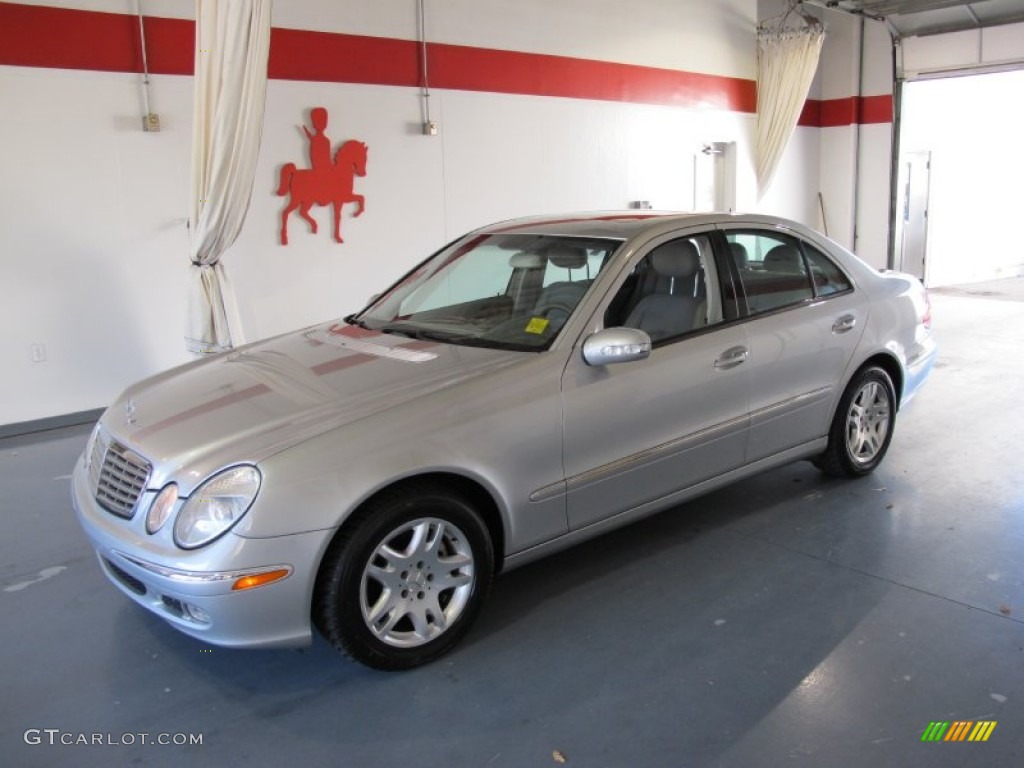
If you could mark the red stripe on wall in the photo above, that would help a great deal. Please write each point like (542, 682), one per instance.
(831, 113)
(40, 36)
(478, 69)
(810, 116)
(876, 109)
(836, 112)
(298, 54)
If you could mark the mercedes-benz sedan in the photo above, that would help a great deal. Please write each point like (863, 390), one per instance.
(529, 386)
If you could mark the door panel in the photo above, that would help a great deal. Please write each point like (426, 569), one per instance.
(805, 321)
(796, 360)
(636, 432)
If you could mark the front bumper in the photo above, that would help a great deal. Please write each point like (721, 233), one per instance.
(193, 590)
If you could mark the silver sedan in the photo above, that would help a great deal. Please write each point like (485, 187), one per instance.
(531, 385)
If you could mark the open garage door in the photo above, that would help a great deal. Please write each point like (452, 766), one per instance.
(958, 69)
(959, 158)
(960, 202)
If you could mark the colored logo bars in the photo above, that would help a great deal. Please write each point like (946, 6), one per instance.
(959, 731)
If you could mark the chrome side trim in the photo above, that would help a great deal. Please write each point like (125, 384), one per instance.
(649, 455)
(199, 577)
(775, 410)
(549, 492)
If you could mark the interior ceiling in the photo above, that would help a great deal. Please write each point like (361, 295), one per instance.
(929, 17)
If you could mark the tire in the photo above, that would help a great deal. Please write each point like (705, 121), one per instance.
(404, 581)
(862, 426)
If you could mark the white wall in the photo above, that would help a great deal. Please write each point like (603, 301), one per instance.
(92, 238)
(92, 246)
(973, 132)
(794, 190)
(855, 159)
(848, 164)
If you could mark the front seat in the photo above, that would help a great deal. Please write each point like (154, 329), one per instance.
(557, 301)
(673, 309)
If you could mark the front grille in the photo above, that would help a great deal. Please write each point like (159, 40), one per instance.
(120, 480)
(126, 578)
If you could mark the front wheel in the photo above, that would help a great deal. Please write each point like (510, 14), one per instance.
(862, 427)
(404, 582)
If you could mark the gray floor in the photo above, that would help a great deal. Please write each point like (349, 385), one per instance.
(788, 620)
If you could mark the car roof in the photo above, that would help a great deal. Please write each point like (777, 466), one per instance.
(622, 225)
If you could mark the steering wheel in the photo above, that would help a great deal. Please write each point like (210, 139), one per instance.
(555, 313)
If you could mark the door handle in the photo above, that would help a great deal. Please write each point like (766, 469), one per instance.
(844, 324)
(731, 358)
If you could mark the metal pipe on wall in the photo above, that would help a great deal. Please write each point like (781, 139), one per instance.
(145, 68)
(857, 134)
(894, 152)
(429, 126)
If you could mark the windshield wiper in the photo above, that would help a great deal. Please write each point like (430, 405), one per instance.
(353, 320)
(459, 339)
(422, 334)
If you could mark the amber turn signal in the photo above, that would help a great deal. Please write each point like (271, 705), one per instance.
(259, 579)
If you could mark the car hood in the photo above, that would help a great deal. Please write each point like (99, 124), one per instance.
(248, 404)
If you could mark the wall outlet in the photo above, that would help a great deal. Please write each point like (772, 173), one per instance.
(151, 123)
(38, 353)
(430, 128)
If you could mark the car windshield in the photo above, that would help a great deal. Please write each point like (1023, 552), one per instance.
(505, 291)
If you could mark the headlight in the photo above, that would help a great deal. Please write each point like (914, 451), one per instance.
(215, 506)
(161, 508)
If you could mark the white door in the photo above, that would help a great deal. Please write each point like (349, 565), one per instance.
(912, 245)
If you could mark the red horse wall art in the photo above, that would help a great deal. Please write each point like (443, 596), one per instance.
(328, 181)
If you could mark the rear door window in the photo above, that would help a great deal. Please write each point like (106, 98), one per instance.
(828, 278)
(772, 270)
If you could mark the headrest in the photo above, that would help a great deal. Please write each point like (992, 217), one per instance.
(784, 258)
(676, 259)
(567, 256)
(526, 260)
(739, 254)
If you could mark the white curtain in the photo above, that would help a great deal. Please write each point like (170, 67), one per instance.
(787, 58)
(232, 48)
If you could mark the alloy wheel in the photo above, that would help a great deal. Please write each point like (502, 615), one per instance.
(417, 582)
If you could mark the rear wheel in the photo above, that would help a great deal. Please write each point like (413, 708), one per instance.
(862, 427)
(406, 579)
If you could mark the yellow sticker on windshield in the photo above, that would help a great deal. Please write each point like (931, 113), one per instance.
(537, 325)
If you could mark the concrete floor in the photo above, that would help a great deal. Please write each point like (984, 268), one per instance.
(789, 620)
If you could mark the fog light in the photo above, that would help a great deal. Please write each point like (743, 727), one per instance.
(194, 613)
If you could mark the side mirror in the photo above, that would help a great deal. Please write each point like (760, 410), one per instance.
(616, 345)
